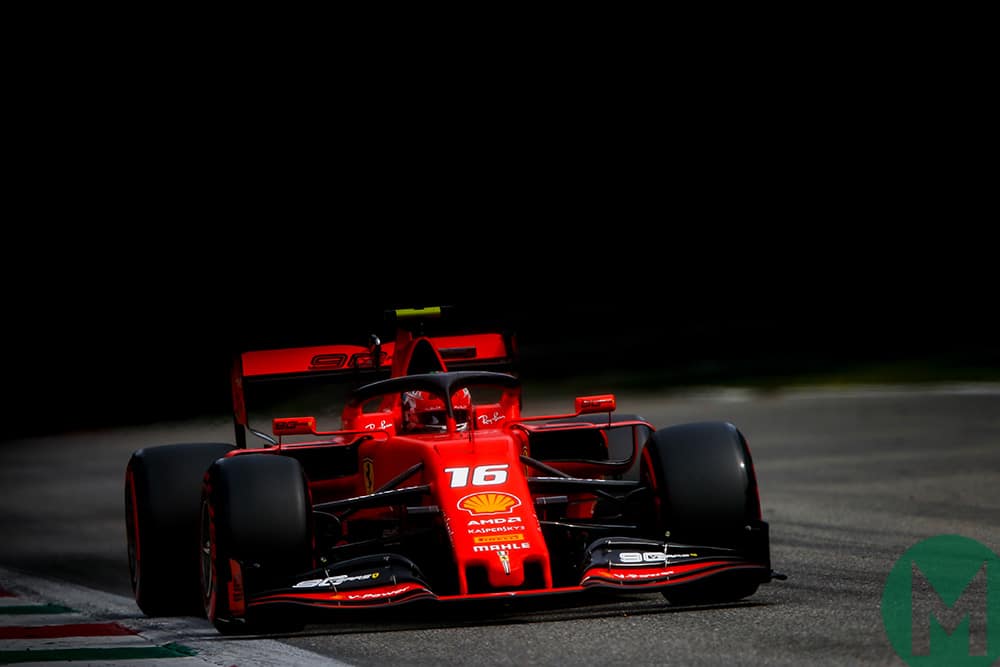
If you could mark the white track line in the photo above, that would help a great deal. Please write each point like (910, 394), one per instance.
(99, 606)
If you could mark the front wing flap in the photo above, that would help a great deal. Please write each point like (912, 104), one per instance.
(647, 564)
(367, 581)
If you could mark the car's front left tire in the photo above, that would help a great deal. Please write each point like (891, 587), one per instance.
(705, 493)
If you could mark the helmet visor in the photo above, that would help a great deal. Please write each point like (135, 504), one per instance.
(437, 419)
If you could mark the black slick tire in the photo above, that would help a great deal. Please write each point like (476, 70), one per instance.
(255, 532)
(705, 493)
(162, 500)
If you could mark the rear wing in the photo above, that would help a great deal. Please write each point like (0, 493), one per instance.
(458, 352)
(358, 364)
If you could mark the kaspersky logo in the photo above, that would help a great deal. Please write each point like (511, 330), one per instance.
(941, 603)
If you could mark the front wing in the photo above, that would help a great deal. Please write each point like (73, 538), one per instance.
(619, 565)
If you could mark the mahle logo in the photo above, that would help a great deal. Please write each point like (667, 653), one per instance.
(941, 603)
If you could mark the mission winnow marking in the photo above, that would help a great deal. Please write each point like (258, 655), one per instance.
(31, 632)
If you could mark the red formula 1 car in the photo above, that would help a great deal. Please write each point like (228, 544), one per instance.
(436, 487)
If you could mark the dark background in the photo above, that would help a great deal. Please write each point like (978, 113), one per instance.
(739, 213)
(756, 227)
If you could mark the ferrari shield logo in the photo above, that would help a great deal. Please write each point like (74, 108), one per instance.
(368, 473)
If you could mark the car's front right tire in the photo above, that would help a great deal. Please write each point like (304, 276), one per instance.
(255, 531)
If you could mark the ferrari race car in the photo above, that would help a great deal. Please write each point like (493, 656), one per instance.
(436, 487)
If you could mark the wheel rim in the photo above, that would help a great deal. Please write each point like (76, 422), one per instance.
(132, 530)
(208, 574)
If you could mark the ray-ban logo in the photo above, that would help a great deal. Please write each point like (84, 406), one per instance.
(941, 603)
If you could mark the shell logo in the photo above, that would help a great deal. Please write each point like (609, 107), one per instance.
(489, 503)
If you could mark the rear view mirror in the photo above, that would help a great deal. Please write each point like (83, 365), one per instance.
(294, 426)
(599, 403)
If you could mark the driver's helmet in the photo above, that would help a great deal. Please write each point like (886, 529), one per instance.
(425, 412)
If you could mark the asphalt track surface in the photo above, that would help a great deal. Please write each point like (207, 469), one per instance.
(849, 481)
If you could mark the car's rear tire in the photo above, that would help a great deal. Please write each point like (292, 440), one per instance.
(162, 499)
(705, 493)
(255, 532)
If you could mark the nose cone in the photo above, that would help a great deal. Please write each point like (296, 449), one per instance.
(509, 573)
